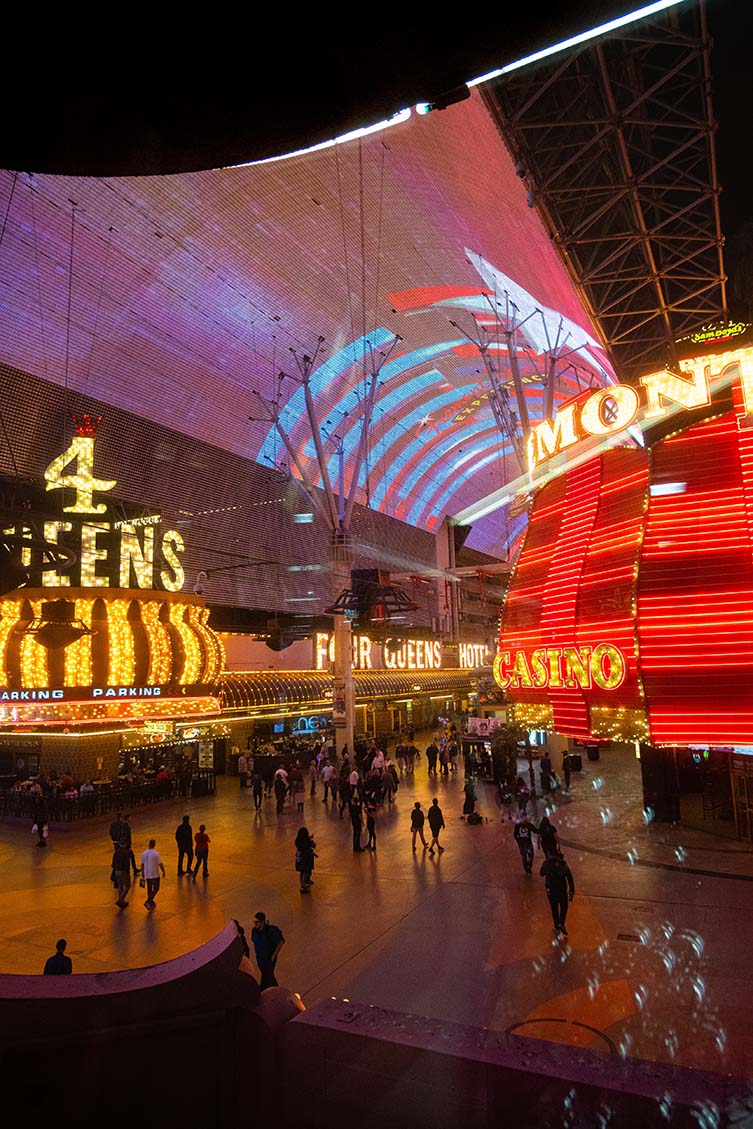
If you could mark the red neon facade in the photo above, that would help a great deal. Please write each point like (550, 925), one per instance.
(664, 575)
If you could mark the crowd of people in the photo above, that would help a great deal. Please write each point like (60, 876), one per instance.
(356, 785)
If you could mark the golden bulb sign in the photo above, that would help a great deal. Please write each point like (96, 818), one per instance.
(135, 553)
(561, 668)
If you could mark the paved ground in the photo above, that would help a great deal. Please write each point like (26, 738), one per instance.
(660, 930)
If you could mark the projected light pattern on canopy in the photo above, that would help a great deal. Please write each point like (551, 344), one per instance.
(187, 292)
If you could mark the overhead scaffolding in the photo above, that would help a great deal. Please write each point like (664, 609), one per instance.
(615, 142)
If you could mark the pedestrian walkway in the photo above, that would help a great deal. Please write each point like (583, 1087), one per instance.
(653, 965)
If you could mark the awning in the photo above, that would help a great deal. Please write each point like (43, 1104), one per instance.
(250, 689)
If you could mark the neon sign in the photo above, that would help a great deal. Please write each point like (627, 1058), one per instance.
(611, 410)
(412, 654)
(562, 668)
(131, 553)
(712, 333)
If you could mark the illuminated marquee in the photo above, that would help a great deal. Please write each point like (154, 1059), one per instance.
(133, 553)
(566, 668)
(412, 654)
(612, 410)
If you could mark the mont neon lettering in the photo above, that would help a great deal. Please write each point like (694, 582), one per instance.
(613, 409)
(562, 668)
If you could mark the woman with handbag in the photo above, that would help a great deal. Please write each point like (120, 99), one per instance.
(304, 858)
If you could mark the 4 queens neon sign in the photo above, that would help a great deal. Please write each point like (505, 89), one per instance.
(564, 668)
(616, 407)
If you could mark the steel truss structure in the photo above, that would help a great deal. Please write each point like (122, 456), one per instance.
(615, 141)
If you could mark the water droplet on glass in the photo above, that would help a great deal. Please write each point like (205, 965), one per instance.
(648, 815)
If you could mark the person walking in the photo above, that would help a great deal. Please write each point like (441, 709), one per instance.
(151, 866)
(345, 792)
(126, 834)
(202, 841)
(281, 791)
(548, 840)
(444, 757)
(469, 803)
(41, 816)
(523, 833)
(545, 773)
(257, 786)
(299, 794)
(184, 839)
(59, 964)
(436, 823)
(267, 941)
(121, 868)
(560, 889)
(504, 799)
(354, 782)
(356, 822)
(432, 752)
(522, 796)
(243, 770)
(327, 774)
(117, 831)
(371, 827)
(313, 774)
(304, 858)
(417, 819)
(453, 750)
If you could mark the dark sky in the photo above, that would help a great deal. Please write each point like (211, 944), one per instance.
(731, 27)
(152, 98)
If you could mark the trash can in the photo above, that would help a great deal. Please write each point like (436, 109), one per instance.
(592, 752)
(576, 762)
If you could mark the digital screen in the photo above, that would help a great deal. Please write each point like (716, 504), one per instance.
(178, 298)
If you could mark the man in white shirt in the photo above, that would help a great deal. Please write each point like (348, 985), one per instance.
(327, 773)
(151, 865)
(378, 761)
(353, 781)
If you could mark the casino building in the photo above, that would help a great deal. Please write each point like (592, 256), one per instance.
(629, 615)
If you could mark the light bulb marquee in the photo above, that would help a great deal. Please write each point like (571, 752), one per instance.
(630, 611)
(147, 654)
(110, 552)
(145, 651)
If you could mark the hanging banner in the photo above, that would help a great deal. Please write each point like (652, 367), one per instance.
(338, 703)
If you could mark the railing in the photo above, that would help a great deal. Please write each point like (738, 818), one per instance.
(117, 797)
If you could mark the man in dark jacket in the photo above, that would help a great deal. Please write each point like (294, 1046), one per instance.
(121, 868)
(436, 823)
(417, 819)
(524, 832)
(432, 752)
(356, 822)
(545, 773)
(267, 940)
(60, 964)
(184, 839)
(558, 880)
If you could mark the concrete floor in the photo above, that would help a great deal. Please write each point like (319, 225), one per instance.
(655, 965)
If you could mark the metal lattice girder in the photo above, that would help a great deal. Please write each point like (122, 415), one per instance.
(616, 143)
